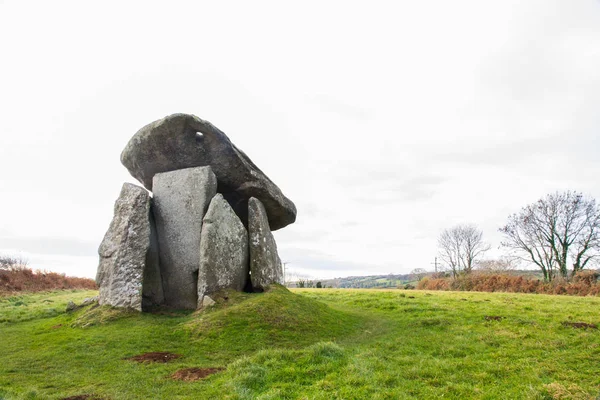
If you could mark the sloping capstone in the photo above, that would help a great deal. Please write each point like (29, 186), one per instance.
(183, 141)
(223, 251)
(265, 265)
(124, 252)
(181, 199)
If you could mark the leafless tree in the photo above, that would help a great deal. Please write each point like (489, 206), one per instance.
(460, 247)
(12, 263)
(560, 228)
(495, 266)
(418, 273)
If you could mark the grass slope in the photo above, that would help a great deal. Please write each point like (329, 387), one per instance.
(25, 307)
(315, 344)
(55, 356)
(278, 319)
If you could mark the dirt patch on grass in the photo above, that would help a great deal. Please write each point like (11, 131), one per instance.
(493, 318)
(580, 325)
(82, 397)
(160, 357)
(56, 326)
(194, 374)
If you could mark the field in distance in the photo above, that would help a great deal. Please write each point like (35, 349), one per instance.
(308, 343)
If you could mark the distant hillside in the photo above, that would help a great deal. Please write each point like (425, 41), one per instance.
(371, 281)
(388, 281)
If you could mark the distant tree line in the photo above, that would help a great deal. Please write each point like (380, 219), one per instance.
(307, 283)
(8, 262)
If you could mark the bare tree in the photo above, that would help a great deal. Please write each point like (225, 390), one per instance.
(460, 247)
(12, 263)
(495, 266)
(418, 273)
(557, 229)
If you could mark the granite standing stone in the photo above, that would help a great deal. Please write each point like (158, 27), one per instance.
(181, 199)
(183, 141)
(124, 250)
(223, 251)
(265, 265)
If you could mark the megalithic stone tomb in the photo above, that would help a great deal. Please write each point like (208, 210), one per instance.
(205, 227)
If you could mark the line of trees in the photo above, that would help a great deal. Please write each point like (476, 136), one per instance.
(307, 283)
(558, 233)
(12, 263)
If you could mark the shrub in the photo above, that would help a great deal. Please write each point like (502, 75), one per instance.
(588, 276)
(24, 279)
(584, 283)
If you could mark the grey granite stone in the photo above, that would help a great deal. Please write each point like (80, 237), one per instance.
(265, 265)
(223, 250)
(124, 250)
(181, 199)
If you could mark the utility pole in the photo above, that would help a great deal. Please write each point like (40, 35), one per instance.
(436, 264)
(284, 270)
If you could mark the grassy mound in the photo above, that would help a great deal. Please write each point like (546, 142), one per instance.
(277, 373)
(276, 317)
(100, 315)
(90, 351)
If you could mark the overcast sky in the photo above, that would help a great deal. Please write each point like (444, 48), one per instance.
(385, 122)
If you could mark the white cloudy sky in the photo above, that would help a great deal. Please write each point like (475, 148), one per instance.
(384, 121)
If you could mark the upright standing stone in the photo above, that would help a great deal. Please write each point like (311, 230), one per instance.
(124, 250)
(181, 199)
(223, 251)
(265, 265)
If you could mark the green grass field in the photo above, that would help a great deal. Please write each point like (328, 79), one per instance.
(309, 344)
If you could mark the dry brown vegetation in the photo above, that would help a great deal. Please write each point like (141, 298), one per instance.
(194, 374)
(584, 283)
(160, 357)
(23, 279)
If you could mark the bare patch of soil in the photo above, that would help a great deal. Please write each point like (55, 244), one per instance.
(580, 325)
(194, 374)
(493, 318)
(81, 397)
(160, 357)
(56, 326)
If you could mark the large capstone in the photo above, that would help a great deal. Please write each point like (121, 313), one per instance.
(265, 265)
(181, 199)
(125, 253)
(223, 251)
(183, 141)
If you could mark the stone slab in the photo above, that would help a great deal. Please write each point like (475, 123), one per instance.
(181, 199)
(223, 250)
(124, 250)
(265, 265)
